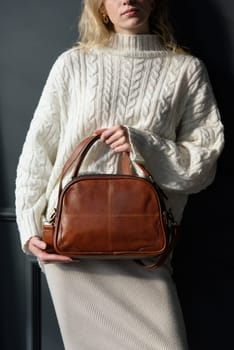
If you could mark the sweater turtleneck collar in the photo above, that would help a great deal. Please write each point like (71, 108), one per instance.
(139, 45)
(136, 43)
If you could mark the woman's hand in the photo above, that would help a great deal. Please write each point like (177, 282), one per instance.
(37, 247)
(115, 137)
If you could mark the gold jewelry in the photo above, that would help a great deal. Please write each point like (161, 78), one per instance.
(105, 18)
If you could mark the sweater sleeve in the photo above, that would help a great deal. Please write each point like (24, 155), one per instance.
(188, 163)
(38, 155)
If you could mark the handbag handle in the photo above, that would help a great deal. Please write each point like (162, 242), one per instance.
(80, 152)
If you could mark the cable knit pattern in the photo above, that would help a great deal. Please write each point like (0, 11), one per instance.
(164, 99)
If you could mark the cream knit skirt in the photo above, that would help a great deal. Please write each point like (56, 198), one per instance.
(102, 305)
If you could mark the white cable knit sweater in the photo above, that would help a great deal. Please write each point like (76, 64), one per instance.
(165, 100)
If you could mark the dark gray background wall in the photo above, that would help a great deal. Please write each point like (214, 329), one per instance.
(32, 34)
(205, 272)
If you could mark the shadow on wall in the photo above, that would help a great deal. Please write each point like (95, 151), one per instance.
(2, 200)
(203, 261)
(205, 29)
(3, 194)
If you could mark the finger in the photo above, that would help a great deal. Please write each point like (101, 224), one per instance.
(107, 133)
(99, 131)
(36, 242)
(36, 251)
(44, 256)
(123, 148)
(55, 258)
(118, 142)
(118, 135)
(47, 258)
(39, 244)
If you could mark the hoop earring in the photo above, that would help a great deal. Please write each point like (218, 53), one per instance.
(105, 18)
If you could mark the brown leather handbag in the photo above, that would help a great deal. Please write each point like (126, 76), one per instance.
(110, 216)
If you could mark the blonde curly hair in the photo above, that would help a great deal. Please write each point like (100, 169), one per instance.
(94, 32)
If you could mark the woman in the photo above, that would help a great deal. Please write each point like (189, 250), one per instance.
(128, 82)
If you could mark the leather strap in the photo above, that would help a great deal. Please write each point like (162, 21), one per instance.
(80, 152)
(80, 148)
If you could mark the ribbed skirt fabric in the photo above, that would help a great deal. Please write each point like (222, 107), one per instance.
(113, 305)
